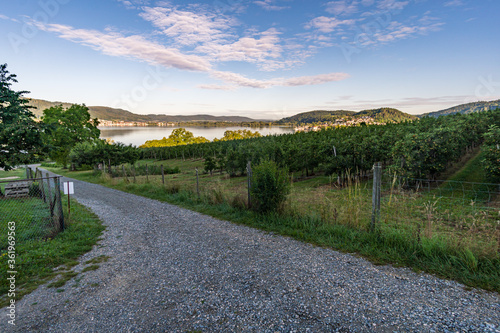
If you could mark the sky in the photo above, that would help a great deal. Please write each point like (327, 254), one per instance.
(264, 59)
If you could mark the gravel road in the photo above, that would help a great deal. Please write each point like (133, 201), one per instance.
(174, 270)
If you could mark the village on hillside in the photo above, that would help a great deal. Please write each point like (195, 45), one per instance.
(340, 122)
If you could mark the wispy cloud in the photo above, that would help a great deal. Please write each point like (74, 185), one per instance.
(270, 5)
(189, 28)
(243, 81)
(327, 24)
(397, 31)
(138, 47)
(248, 49)
(342, 7)
(392, 5)
(115, 44)
(454, 3)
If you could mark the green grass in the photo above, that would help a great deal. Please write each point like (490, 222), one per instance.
(415, 230)
(41, 259)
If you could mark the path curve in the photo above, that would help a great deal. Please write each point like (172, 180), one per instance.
(174, 270)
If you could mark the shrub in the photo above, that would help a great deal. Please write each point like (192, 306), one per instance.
(270, 186)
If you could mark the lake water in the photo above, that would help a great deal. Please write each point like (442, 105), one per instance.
(139, 135)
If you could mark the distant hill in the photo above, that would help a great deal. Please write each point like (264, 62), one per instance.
(112, 114)
(466, 108)
(380, 115)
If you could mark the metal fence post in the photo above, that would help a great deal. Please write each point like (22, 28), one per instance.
(377, 182)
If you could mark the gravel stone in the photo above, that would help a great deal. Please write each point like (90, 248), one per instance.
(174, 270)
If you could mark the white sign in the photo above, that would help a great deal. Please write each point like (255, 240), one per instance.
(68, 188)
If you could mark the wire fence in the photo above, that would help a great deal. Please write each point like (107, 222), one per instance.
(445, 192)
(33, 205)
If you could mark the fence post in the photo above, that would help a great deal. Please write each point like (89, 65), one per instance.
(197, 184)
(51, 202)
(377, 182)
(59, 203)
(162, 175)
(147, 174)
(28, 172)
(249, 173)
(133, 172)
(124, 173)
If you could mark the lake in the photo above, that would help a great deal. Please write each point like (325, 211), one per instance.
(139, 135)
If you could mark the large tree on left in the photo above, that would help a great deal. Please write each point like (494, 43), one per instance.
(20, 134)
(67, 127)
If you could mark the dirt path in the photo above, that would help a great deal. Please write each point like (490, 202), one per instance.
(174, 270)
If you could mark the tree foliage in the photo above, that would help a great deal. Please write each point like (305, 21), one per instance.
(423, 148)
(491, 153)
(239, 135)
(20, 135)
(92, 153)
(270, 186)
(67, 127)
(178, 137)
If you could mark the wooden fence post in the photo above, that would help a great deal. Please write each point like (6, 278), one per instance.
(197, 184)
(162, 175)
(124, 173)
(51, 201)
(59, 203)
(377, 182)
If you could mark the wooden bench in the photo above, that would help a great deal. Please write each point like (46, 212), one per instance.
(17, 189)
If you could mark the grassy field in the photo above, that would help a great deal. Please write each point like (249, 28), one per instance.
(40, 253)
(450, 237)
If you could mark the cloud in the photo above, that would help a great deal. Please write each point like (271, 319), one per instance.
(188, 28)
(242, 81)
(327, 24)
(134, 4)
(396, 31)
(248, 49)
(268, 5)
(115, 44)
(216, 87)
(454, 3)
(315, 79)
(392, 5)
(342, 7)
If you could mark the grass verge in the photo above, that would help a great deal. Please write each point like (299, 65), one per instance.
(41, 259)
(412, 232)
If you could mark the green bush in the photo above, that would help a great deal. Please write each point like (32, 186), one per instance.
(270, 186)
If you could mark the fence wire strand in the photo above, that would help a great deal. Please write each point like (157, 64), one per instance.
(34, 204)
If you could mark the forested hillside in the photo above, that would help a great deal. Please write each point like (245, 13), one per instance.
(467, 108)
(383, 115)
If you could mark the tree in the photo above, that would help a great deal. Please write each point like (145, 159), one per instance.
(178, 137)
(66, 128)
(491, 153)
(20, 135)
(270, 186)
